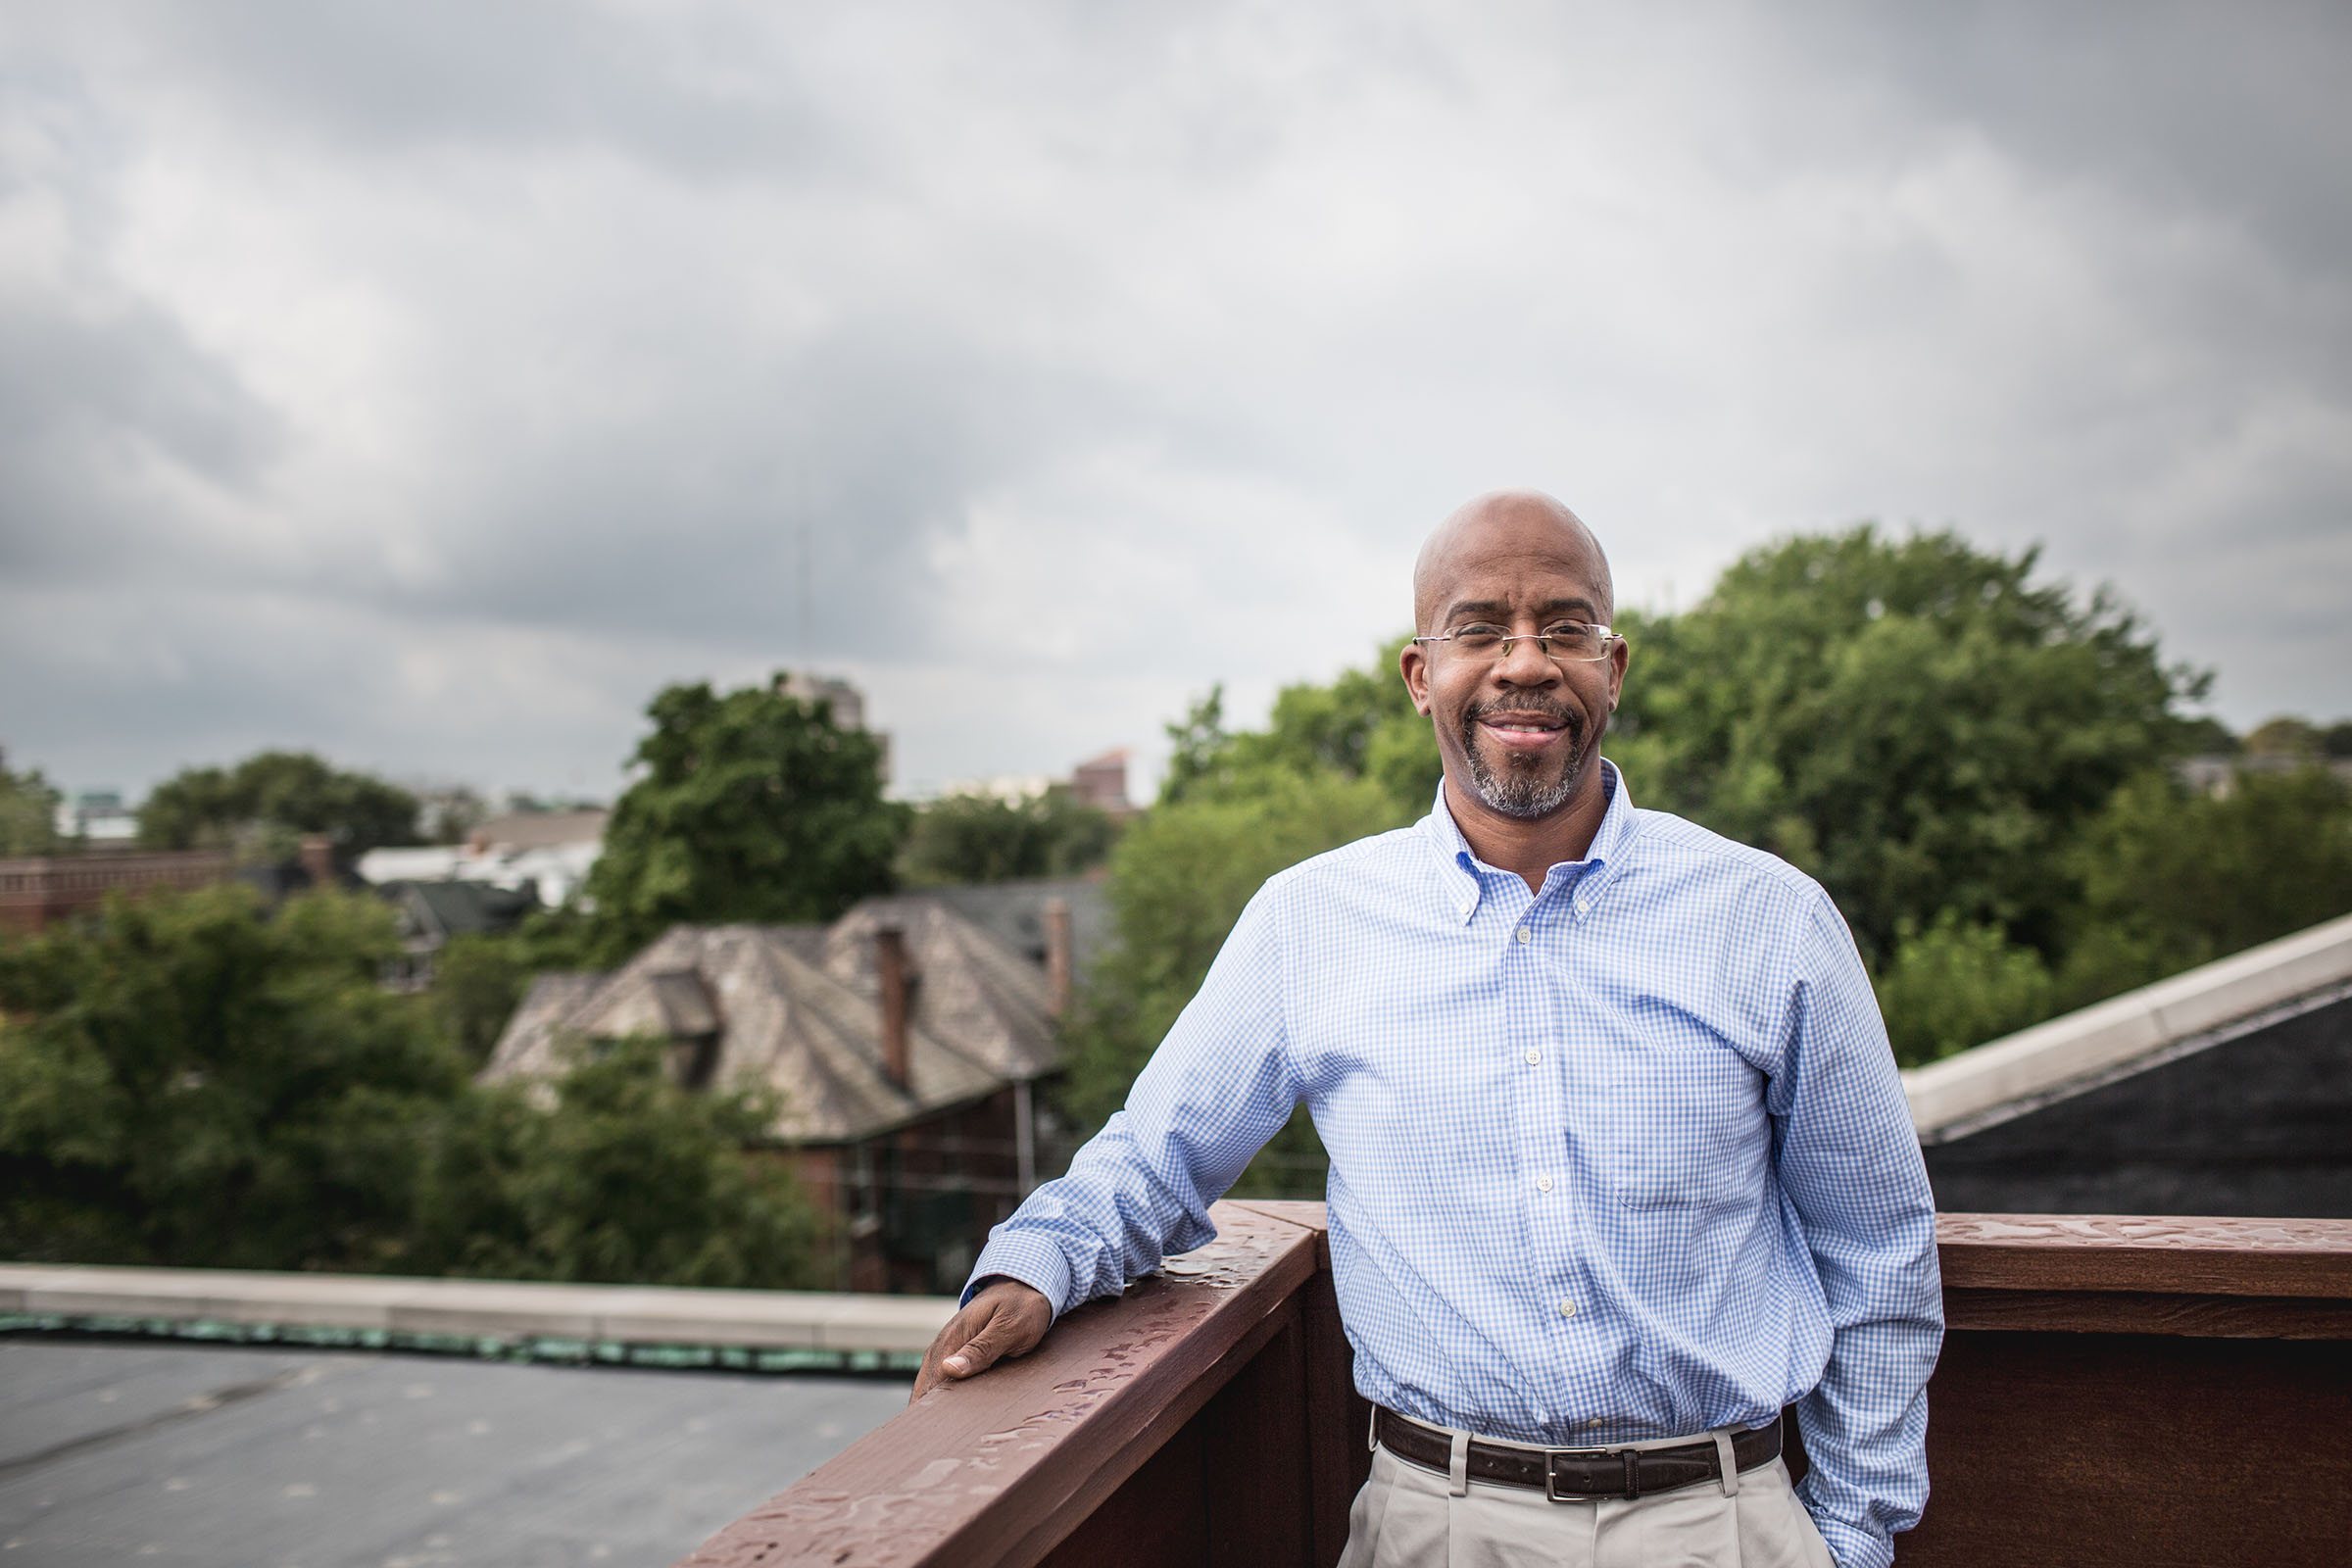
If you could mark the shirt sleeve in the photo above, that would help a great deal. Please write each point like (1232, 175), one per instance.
(1849, 1163)
(1220, 1085)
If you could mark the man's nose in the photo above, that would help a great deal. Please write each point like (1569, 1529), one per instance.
(1526, 663)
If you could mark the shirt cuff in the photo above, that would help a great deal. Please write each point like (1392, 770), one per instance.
(1033, 1261)
(1853, 1548)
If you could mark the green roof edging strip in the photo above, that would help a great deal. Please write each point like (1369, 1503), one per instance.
(535, 1349)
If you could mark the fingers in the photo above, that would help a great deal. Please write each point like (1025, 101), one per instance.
(1007, 1318)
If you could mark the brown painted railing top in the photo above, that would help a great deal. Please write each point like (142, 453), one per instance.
(1001, 1469)
(2073, 1338)
(2310, 1257)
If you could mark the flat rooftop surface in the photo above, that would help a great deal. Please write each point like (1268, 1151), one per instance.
(120, 1451)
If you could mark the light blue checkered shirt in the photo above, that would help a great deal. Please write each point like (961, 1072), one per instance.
(1624, 1160)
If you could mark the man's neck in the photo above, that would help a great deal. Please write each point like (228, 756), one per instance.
(1529, 849)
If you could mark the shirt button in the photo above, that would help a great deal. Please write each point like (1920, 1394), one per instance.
(1568, 1309)
(1525, 935)
(1543, 1184)
(1598, 1421)
(1534, 1055)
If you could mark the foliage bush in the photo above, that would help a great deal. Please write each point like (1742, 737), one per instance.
(1331, 767)
(186, 1082)
(751, 806)
(183, 1082)
(2168, 878)
(1920, 725)
(984, 838)
(612, 1172)
(27, 812)
(1958, 984)
(262, 807)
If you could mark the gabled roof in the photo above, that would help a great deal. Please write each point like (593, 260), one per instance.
(796, 1010)
(1014, 913)
(2132, 1033)
(456, 908)
(966, 986)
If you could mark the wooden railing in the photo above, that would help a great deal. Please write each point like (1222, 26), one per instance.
(2113, 1391)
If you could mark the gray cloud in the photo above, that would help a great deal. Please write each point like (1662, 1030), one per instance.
(429, 384)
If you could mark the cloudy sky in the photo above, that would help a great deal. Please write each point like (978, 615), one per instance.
(427, 383)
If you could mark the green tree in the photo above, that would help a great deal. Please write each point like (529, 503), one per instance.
(478, 978)
(2169, 879)
(1957, 985)
(624, 1178)
(2285, 736)
(262, 807)
(1178, 881)
(184, 1083)
(1335, 764)
(1918, 723)
(751, 806)
(27, 812)
(1361, 725)
(985, 838)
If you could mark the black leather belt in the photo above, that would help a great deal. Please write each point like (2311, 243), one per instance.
(1567, 1475)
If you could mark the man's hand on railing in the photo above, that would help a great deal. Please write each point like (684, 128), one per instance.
(1007, 1318)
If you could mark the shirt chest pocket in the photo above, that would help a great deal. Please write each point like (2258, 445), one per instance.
(1687, 1129)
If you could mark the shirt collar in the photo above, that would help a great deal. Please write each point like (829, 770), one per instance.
(1464, 874)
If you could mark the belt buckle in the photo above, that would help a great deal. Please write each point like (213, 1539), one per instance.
(1551, 1474)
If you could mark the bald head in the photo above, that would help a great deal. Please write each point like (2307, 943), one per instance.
(1498, 530)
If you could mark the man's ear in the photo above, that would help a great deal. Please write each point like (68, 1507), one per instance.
(1414, 665)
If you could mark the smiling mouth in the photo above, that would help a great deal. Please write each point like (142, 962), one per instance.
(1522, 732)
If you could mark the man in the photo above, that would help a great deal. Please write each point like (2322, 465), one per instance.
(1620, 1162)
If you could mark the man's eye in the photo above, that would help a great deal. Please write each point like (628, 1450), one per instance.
(1477, 632)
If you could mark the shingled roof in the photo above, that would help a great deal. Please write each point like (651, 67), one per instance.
(797, 1008)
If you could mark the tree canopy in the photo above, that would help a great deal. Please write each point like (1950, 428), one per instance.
(1360, 726)
(184, 1082)
(27, 812)
(1333, 765)
(1919, 724)
(985, 838)
(619, 1175)
(749, 804)
(262, 807)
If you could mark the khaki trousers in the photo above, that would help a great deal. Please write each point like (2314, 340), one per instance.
(1409, 1517)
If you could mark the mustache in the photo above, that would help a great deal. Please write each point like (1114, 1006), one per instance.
(1558, 713)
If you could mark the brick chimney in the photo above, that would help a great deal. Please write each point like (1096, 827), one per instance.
(890, 975)
(1057, 957)
(319, 859)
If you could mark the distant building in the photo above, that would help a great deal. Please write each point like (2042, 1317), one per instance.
(848, 705)
(98, 817)
(429, 913)
(902, 1043)
(1102, 782)
(37, 892)
(2223, 1091)
(547, 852)
(2217, 774)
